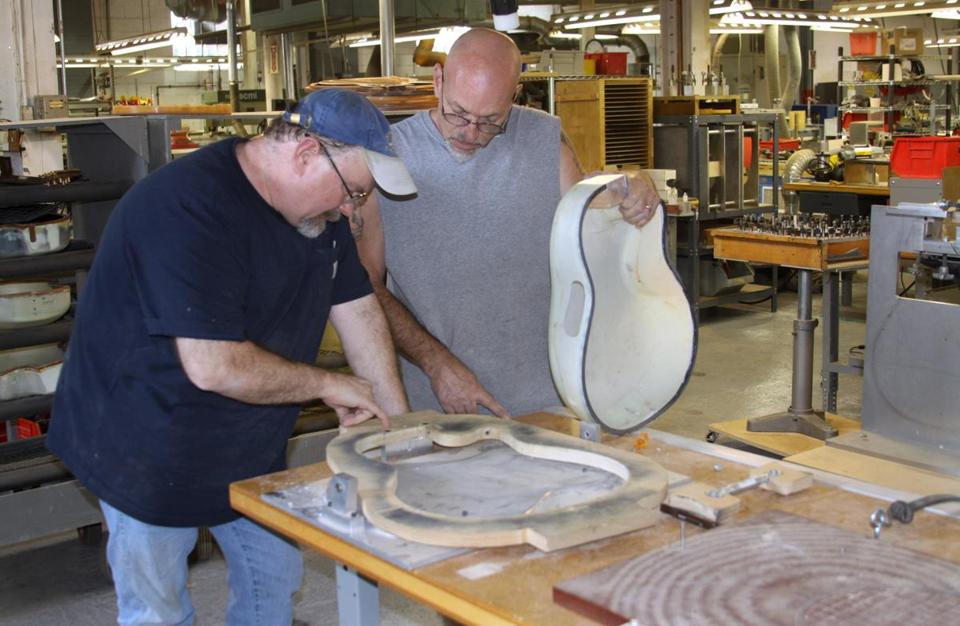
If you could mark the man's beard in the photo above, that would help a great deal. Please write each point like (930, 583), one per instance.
(458, 156)
(313, 227)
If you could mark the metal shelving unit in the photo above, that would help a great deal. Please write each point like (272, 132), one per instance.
(697, 146)
(37, 496)
(891, 108)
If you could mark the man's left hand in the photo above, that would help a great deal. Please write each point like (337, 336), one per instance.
(642, 199)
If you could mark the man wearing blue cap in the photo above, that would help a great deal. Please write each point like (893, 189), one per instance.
(194, 344)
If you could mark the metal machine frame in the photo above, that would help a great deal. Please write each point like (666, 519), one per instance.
(911, 379)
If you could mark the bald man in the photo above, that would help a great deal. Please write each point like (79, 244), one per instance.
(467, 261)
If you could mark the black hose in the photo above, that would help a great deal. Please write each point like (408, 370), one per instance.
(903, 511)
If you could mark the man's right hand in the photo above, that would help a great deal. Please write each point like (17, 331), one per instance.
(352, 399)
(458, 389)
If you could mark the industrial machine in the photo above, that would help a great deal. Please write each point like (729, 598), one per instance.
(911, 387)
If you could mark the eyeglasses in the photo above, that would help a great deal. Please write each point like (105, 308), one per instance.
(356, 198)
(487, 128)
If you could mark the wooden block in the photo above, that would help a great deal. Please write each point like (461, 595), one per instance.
(693, 498)
(788, 482)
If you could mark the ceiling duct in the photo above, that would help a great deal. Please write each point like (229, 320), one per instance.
(201, 10)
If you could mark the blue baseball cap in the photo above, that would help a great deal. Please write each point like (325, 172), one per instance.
(348, 117)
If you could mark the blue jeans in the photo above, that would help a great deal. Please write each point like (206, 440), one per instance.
(149, 566)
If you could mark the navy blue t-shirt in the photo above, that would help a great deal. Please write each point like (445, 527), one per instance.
(192, 250)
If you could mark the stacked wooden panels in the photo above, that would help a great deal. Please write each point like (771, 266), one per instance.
(608, 120)
(388, 93)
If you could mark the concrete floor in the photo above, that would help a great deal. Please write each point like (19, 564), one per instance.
(743, 369)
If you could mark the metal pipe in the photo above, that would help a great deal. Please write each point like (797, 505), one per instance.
(386, 37)
(803, 327)
(794, 69)
(63, 47)
(289, 82)
(232, 55)
(552, 96)
(717, 49)
(771, 44)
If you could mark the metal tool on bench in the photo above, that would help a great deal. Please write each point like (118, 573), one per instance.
(911, 378)
(806, 225)
(707, 506)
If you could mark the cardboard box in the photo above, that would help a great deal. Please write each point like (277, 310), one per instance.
(908, 42)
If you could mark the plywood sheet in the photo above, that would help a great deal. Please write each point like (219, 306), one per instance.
(773, 569)
(876, 470)
(781, 444)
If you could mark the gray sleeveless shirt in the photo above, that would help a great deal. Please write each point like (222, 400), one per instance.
(469, 256)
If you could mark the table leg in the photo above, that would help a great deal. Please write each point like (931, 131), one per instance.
(846, 283)
(800, 417)
(358, 598)
(775, 279)
(829, 381)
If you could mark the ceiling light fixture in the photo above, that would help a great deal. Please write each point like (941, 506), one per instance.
(886, 8)
(146, 41)
(807, 18)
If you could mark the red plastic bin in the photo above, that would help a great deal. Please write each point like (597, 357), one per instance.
(609, 63)
(863, 43)
(924, 157)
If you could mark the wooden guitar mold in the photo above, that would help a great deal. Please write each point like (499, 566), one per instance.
(622, 333)
(632, 505)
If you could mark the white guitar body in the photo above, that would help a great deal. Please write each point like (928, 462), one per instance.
(622, 333)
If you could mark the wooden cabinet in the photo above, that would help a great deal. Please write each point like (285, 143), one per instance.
(608, 120)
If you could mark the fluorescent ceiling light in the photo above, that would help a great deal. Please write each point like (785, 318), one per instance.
(650, 28)
(417, 37)
(147, 41)
(791, 17)
(893, 8)
(195, 63)
(636, 19)
(443, 38)
(719, 7)
(612, 16)
(203, 67)
(732, 29)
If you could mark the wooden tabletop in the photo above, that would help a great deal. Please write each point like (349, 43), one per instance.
(520, 580)
(863, 190)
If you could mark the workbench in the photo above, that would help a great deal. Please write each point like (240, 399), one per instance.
(835, 198)
(514, 585)
(834, 259)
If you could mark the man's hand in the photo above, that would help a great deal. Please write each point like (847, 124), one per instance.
(352, 398)
(641, 202)
(458, 389)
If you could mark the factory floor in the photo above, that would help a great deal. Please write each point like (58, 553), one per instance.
(743, 369)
